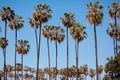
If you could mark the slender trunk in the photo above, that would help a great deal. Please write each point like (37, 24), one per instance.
(96, 51)
(116, 36)
(114, 46)
(22, 64)
(4, 62)
(38, 52)
(48, 55)
(15, 51)
(5, 76)
(67, 50)
(56, 58)
(36, 37)
(76, 51)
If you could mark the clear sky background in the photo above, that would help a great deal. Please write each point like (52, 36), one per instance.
(25, 8)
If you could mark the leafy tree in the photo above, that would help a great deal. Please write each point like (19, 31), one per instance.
(6, 14)
(46, 31)
(67, 21)
(58, 37)
(92, 73)
(114, 30)
(41, 15)
(78, 34)
(22, 48)
(16, 24)
(100, 70)
(112, 67)
(95, 16)
(3, 45)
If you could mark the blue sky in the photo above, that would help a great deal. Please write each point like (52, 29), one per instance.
(59, 7)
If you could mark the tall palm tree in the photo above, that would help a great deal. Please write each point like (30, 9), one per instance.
(3, 44)
(57, 36)
(78, 34)
(67, 21)
(22, 48)
(95, 17)
(47, 34)
(16, 24)
(6, 15)
(41, 15)
(114, 13)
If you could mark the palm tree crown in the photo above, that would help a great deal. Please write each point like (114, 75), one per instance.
(115, 10)
(7, 13)
(16, 23)
(77, 31)
(94, 14)
(57, 34)
(68, 19)
(41, 15)
(47, 31)
(23, 47)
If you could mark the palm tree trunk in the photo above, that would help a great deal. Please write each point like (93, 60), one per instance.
(67, 50)
(96, 51)
(56, 57)
(116, 35)
(36, 37)
(76, 51)
(38, 52)
(114, 47)
(22, 64)
(5, 50)
(48, 55)
(4, 62)
(15, 51)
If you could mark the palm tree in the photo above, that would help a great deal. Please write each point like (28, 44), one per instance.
(18, 69)
(8, 69)
(95, 17)
(78, 34)
(92, 73)
(3, 45)
(22, 48)
(67, 21)
(112, 67)
(47, 34)
(57, 35)
(6, 15)
(83, 70)
(41, 15)
(114, 13)
(100, 70)
(16, 24)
